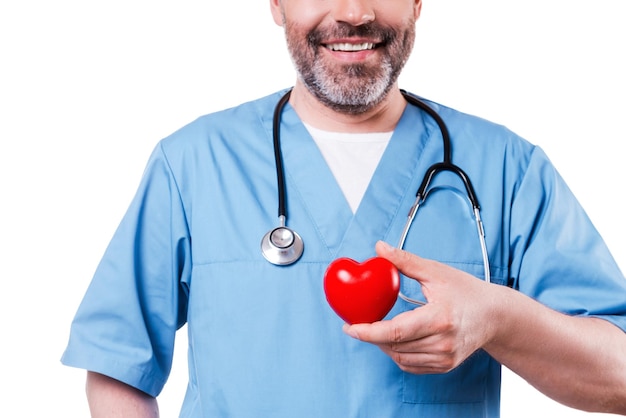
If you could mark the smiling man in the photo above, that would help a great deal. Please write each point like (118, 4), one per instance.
(541, 294)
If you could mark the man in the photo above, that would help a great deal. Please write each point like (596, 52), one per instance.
(263, 341)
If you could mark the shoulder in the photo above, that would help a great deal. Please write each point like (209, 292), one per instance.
(235, 121)
(462, 122)
(471, 134)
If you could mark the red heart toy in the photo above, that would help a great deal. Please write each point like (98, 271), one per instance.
(361, 292)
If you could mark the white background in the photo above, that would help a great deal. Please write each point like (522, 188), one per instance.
(87, 88)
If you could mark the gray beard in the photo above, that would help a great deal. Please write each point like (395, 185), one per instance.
(351, 92)
(350, 89)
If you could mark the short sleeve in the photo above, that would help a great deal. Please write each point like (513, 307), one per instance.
(125, 326)
(558, 257)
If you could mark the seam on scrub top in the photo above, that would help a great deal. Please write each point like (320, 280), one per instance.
(253, 262)
(178, 193)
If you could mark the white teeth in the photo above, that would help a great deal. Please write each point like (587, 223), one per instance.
(351, 47)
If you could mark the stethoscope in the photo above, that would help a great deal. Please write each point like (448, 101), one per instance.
(283, 246)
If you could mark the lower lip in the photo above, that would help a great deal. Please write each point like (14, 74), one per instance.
(351, 56)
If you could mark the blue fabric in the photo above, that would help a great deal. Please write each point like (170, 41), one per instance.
(263, 340)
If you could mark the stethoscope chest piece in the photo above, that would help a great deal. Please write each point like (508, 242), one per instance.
(282, 246)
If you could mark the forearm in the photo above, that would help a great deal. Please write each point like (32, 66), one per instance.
(580, 362)
(110, 398)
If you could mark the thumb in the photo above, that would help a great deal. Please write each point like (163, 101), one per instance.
(407, 263)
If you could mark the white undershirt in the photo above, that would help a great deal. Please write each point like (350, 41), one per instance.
(352, 158)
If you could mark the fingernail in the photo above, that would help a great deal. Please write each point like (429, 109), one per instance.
(386, 246)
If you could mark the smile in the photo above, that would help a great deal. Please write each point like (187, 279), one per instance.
(347, 47)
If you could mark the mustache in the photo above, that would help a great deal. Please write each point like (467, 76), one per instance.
(385, 35)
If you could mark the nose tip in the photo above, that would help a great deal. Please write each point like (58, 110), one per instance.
(354, 12)
(365, 18)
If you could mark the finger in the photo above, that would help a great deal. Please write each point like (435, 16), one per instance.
(407, 326)
(421, 362)
(435, 352)
(409, 264)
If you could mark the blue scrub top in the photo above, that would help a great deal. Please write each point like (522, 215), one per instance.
(262, 339)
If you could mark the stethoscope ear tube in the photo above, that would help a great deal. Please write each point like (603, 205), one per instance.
(447, 166)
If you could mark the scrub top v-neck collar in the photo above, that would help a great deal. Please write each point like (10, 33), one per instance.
(340, 230)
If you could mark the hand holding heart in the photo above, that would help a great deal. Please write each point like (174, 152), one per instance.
(436, 337)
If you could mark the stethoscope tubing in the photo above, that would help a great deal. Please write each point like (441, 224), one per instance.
(278, 159)
(281, 256)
